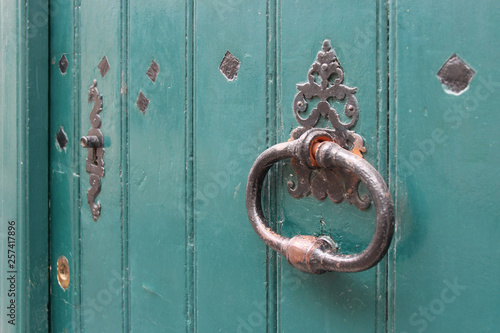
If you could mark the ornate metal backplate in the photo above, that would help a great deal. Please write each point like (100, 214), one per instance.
(94, 142)
(338, 184)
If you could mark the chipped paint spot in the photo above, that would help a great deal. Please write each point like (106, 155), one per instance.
(61, 139)
(455, 75)
(229, 66)
(236, 190)
(63, 64)
(153, 71)
(142, 102)
(104, 66)
(151, 291)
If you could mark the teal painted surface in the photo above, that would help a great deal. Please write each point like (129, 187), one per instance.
(92, 300)
(64, 166)
(446, 185)
(223, 241)
(174, 251)
(157, 229)
(344, 302)
(23, 162)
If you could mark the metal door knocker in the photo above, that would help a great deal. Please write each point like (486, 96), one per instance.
(328, 162)
(94, 142)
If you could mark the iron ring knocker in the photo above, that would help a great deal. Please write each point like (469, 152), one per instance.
(328, 162)
(312, 254)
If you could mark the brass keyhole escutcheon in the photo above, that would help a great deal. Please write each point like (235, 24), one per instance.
(63, 272)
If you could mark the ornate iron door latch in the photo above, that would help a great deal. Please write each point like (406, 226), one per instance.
(328, 162)
(94, 142)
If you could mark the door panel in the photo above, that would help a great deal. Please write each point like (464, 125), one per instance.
(229, 265)
(102, 241)
(173, 249)
(334, 301)
(446, 268)
(65, 159)
(157, 168)
(24, 247)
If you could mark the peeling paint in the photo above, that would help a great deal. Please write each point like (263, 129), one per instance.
(151, 291)
(61, 139)
(455, 75)
(104, 66)
(229, 66)
(142, 102)
(236, 190)
(63, 64)
(153, 71)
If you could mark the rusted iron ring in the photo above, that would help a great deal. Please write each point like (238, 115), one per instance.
(308, 253)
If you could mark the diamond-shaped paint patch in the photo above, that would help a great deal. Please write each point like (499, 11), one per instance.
(142, 102)
(104, 66)
(153, 71)
(62, 139)
(229, 66)
(63, 64)
(455, 75)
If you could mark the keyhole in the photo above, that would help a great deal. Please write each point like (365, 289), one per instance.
(94, 156)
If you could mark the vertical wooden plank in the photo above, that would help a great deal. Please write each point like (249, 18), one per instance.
(335, 301)
(125, 162)
(64, 143)
(392, 146)
(157, 234)
(189, 193)
(382, 139)
(102, 282)
(9, 188)
(36, 124)
(230, 132)
(24, 164)
(446, 269)
(272, 190)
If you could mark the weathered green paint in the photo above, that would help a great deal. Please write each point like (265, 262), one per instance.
(64, 165)
(343, 302)
(157, 212)
(24, 161)
(447, 190)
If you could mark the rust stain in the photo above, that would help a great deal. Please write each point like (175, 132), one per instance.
(315, 146)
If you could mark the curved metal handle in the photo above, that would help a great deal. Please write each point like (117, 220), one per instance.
(315, 148)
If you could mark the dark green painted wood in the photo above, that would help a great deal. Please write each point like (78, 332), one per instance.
(102, 241)
(230, 259)
(447, 182)
(64, 166)
(157, 231)
(24, 161)
(173, 249)
(345, 302)
(336, 301)
(93, 300)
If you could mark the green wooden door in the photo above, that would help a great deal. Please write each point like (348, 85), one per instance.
(173, 250)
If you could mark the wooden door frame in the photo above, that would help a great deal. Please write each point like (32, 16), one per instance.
(24, 162)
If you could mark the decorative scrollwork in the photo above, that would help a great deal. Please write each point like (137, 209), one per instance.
(337, 184)
(94, 142)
